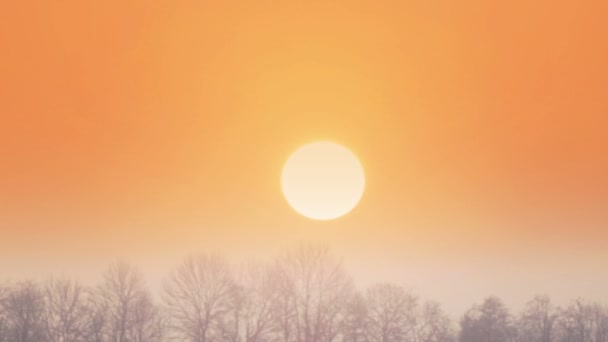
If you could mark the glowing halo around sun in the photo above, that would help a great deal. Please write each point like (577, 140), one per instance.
(323, 180)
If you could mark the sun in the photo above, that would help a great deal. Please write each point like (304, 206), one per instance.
(323, 180)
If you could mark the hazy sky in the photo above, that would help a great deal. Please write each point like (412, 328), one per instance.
(149, 130)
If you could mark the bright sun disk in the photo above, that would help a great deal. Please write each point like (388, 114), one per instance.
(323, 180)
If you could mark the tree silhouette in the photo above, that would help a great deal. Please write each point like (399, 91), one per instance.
(23, 307)
(392, 313)
(488, 322)
(65, 312)
(123, 294)
(198, 297)
(313, 289)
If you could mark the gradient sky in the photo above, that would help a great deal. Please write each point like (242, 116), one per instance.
(148, 130)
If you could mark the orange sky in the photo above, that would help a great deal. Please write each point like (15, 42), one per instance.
(151, 129)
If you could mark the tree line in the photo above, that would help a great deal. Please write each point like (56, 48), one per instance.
(301, 296)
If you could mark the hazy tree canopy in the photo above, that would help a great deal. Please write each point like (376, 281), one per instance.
(128, 311)
(313, 288)
(198, 296)
(433, 325)
(488, 322)
(65, 312)
(392, 313)
(356, 323)
(250, 318)
(4, 324)
(23, 310)
(538, 321)
(583, 322)
(301, 296)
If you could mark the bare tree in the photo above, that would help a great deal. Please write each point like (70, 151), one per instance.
(97, 317)
(313, 289)
(283, 308)
(433, 325)
(250, 318)
(599, 319)
(147, 324)
(537, 322)
(65, 312)
(355, 324)
(23, 305)
(4, 327)
(392, 313)
(198, 296)
(122, 293)
(488, 322)
(582, 322)
(573, 324)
